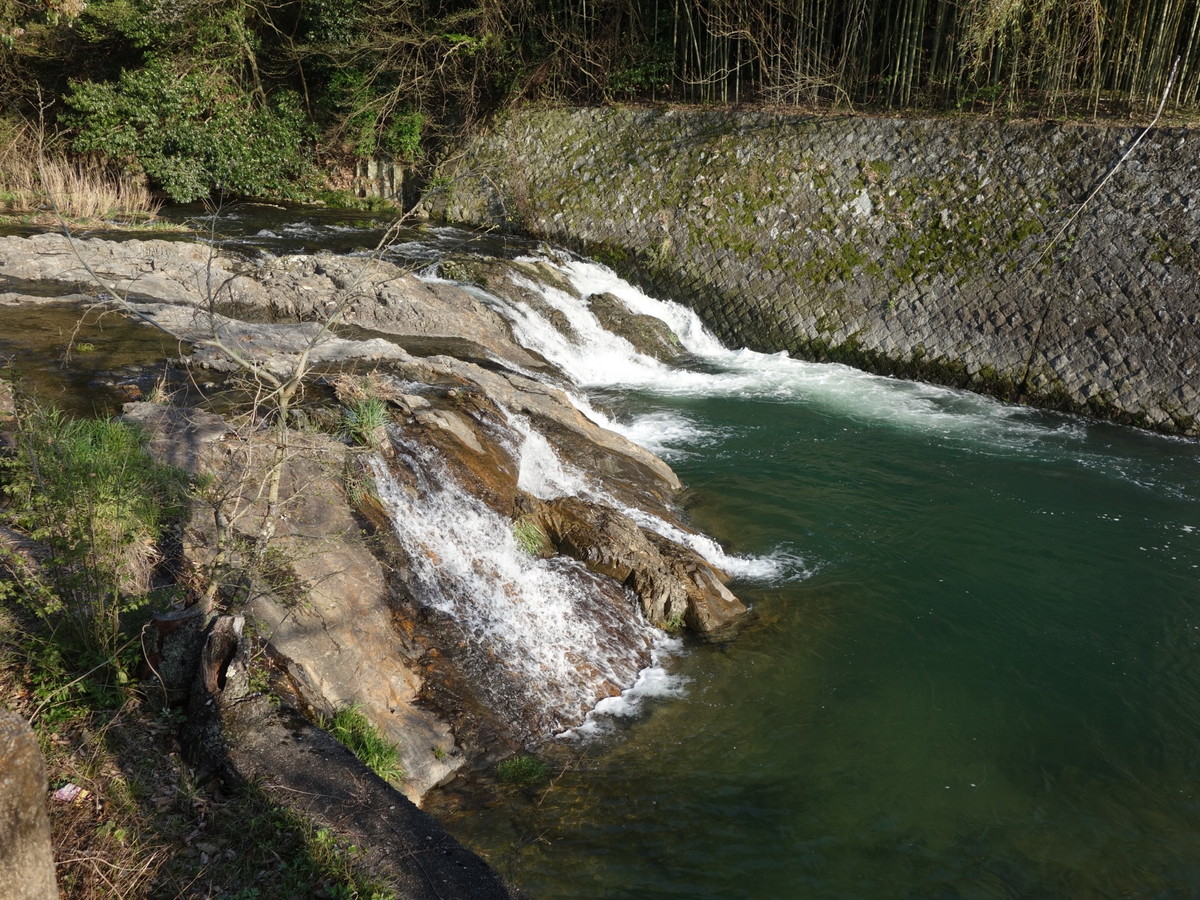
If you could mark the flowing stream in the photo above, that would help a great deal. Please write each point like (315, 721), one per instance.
(973, 668)
(543, 639)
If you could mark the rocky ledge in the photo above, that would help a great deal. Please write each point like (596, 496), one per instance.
(339, 522)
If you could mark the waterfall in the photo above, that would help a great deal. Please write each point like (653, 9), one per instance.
(545, 642)
(595, 358)
(544, 474)
(545, 639)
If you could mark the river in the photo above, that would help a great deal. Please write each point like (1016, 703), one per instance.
(972, 668)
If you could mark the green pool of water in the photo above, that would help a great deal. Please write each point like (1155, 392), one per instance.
(987, 686)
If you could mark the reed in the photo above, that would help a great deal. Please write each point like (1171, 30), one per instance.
(1048, 57)
(34, 178)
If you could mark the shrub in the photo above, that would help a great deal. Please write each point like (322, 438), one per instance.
(87, 490)
(402, 136)
(192, 134)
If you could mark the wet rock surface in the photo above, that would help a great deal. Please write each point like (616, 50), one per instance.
(673, 584)
(647, 334)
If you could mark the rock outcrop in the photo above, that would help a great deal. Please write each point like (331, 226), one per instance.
(351, 566)
(322, 602)
(337, 609)
(252, 739)
(674, 586)
(178, 285)
(393, 572)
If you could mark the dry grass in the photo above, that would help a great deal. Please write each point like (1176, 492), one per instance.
(36, 179)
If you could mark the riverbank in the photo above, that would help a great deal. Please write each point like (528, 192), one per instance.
(430, 557)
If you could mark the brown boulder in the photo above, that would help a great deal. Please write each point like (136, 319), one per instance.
(649, 335)
(674, 586)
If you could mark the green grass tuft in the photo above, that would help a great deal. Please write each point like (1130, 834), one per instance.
(521, 769)
(355, 732)
(363, 418)
(531, 537)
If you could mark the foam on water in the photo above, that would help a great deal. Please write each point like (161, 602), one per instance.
(746, 373)
(666, 433)
(654, 682)
(596, 358)
(781, 564)
(542, 472)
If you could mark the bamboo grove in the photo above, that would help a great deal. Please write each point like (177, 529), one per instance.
(1047, 57)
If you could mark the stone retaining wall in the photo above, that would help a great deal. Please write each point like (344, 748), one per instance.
(922, 248)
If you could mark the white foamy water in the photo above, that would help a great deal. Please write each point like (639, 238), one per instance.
(653, 683)
(542, 471)
(778, 565)
(667, 434)
(718, 371)
(546, 475)
(595, 358)
(546, 640)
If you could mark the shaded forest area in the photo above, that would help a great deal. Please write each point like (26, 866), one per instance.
(258, 96)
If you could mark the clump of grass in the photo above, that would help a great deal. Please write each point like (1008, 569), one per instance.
(673, 624)
(531, 537)
(355, 732)
(363, 418)
(88, 492)
(522, 769)
(338, 862)
(358, 485)
(162, 391)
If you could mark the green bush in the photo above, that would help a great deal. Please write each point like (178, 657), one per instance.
(346, 100)
(193, 134)
(402, 136)
(332, 22)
